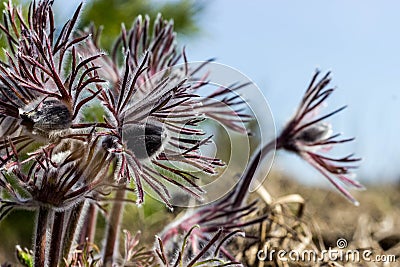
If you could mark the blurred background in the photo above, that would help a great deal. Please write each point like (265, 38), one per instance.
(278, 45)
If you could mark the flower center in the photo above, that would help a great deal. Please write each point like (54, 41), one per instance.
(145, 140)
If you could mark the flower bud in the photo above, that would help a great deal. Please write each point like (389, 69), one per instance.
(315, 133)
(48, 115)
(145, 140)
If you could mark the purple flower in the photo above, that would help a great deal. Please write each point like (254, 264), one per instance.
(219, 216)
(58, 181)
(189, 252)
(307, 135)
(154, 110)
(44, 81)
(151, 129)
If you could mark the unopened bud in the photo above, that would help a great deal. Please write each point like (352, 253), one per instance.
(144, 140)
(48, 115)
(315, 133)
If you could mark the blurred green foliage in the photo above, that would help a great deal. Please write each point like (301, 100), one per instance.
(112, 13)
(94, 113)
(15, 229)
(3, 40)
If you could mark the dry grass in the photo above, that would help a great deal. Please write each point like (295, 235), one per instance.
(313, 219)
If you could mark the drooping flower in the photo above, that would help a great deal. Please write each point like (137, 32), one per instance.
(309, 136)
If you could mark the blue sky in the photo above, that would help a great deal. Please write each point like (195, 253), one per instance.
(279, 44)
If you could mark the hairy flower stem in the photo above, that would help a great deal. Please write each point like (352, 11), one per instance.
(56, 243)
(112, 228)
(40, 244)
(247, 178)
(89, 229)
(72, 228)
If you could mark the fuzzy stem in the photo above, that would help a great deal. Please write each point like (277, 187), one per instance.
(41, 237)
(247, 178)
(112, 229)
(89, 230)
(73, 226)
(56, 243)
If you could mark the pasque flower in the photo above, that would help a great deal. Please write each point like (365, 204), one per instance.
(44, 81)
(220, 216)
(305, 134)
(54, 160)
(57, 181)
(309, 136)
(154, 111)
(190, 251)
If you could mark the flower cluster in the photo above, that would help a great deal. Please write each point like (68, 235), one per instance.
(45, 84)
(147, 130)
(151, 109)
(154, 109)
(78, 125)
